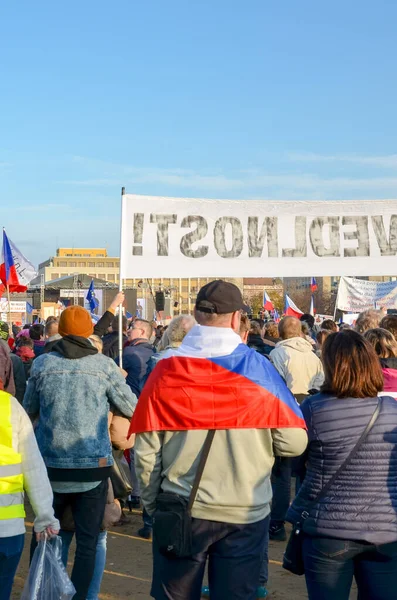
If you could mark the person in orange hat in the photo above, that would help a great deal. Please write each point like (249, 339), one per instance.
(69, 391)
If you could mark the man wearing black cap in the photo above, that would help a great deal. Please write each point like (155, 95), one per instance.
(213, 382)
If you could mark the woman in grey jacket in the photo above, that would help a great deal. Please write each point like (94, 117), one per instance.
(352, 530)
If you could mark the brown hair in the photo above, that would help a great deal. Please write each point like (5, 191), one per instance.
(369, 319)
(255, 328)
(382, 341)
(24, 341)
(245, 324)
(329, 325)
(351, 366)
(322, 336)
(390, 323)
(272, 330)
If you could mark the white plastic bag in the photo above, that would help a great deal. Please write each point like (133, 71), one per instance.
(48, 579)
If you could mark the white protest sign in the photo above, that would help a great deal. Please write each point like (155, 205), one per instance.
(356, 295)
(185, 237)
(350, 318)
(17, 306)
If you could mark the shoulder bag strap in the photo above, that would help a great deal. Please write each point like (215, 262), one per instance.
(346, 462)
(203, 459)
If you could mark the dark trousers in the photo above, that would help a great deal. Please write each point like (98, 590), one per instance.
(331, 564)
(88, 509)
(235, 554)
(281, 484)
(10, 555)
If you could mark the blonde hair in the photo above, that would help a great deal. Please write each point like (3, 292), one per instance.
(96, 342)
(176, 331)
(369, 319)
(383, 342)
(272, 329)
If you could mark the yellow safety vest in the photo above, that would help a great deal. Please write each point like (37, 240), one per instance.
(11, 476)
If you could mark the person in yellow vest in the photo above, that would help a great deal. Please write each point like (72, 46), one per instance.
(22, 470)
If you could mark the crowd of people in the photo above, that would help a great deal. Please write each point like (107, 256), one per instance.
(216, 416)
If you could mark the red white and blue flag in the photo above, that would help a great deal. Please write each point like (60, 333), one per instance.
(16, 271)
(8, 273)
(192, 390)
(313, 285)
(290, 309)
(267, 303)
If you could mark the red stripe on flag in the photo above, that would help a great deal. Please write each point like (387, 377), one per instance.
(190, 393)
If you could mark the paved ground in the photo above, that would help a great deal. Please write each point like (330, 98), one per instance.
(128, 568)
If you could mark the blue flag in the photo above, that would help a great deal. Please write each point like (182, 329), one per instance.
(29, 308)
(92, 301)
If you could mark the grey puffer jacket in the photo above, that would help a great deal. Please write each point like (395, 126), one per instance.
(362, 503)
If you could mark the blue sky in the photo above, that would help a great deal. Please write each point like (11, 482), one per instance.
(209, 98)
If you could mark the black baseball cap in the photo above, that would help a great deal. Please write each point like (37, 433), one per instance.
(219, 297)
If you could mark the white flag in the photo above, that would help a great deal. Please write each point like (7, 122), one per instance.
(26, 271)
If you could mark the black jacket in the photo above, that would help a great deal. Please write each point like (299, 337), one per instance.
(111, 344)
(19, 377)
(256, 342)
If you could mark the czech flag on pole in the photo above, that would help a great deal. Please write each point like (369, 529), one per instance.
(267, 303)
(291, 310)
(8, 274)
(313, 285)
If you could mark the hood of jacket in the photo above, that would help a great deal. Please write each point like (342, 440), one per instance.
(296, 343)
(73, 347)
(206, 342)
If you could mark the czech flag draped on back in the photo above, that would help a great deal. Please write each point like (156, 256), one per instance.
(8, 274)
(241, 390)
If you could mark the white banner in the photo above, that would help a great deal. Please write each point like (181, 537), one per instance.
(356, 295)
(17, 306)
(185, 237)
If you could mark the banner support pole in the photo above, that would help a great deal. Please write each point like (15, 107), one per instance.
(336, 302)
(9, 309)
(121, 286)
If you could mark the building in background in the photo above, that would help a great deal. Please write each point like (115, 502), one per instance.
(180, 294)
(93, 262)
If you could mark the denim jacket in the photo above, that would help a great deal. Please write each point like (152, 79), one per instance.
(72, 399)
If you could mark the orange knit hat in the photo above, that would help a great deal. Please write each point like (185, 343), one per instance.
(75, 320)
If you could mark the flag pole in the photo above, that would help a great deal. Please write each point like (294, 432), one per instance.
(9, 308)
(121, 286)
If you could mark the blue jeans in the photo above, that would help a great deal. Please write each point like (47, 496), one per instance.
(100, 560)
(264, 574)
(10, 554)
(235, 555)
(331, 564)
